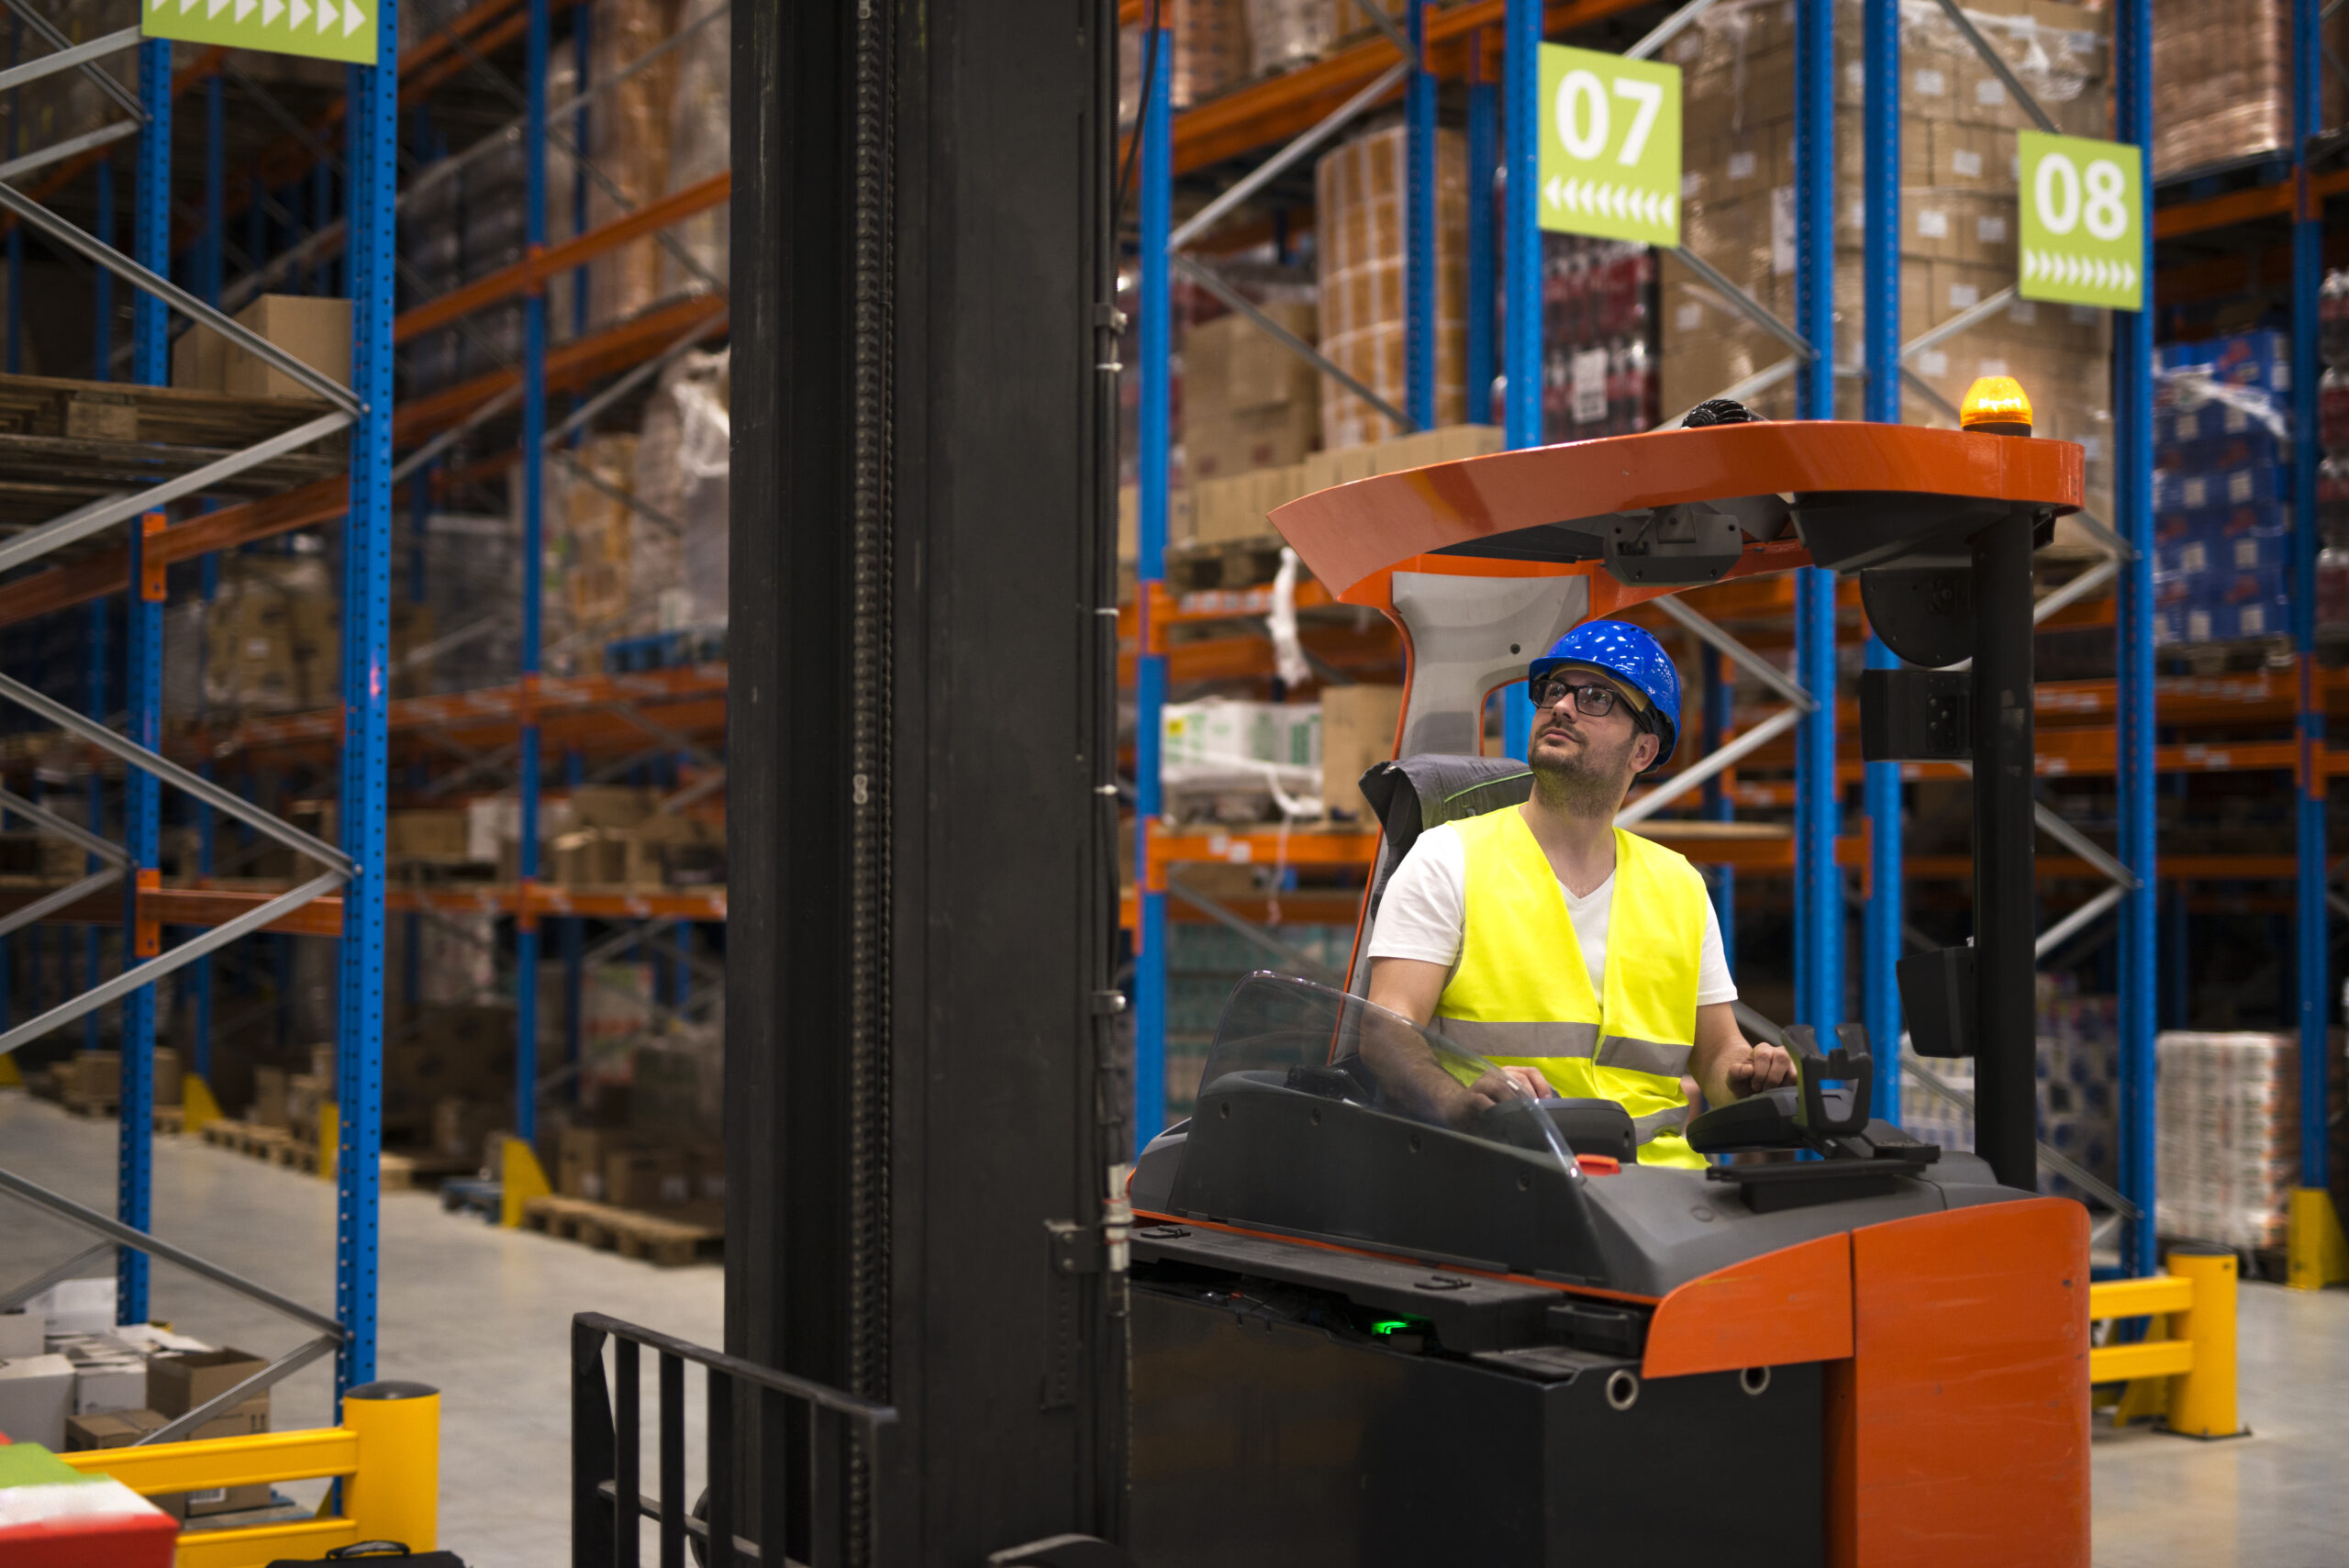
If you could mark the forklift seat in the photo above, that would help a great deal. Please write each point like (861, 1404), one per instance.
(1415, 793)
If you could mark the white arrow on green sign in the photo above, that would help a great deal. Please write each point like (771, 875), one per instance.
(1611, 146)
(323, 29)
(2082, 236)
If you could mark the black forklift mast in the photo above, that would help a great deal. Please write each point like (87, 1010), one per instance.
(923, 1070)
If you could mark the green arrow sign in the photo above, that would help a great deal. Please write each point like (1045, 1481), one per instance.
(1611, 146)
(324, 29)
(2083, 237)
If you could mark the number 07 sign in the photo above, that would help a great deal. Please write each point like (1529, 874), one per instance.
(2083, 237)
(1609, 131)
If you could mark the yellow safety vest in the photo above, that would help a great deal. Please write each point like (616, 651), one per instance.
(1521, 993)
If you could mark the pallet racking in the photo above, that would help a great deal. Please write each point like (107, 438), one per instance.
(311, 176)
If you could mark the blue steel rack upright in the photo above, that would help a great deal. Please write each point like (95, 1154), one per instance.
(364, 410)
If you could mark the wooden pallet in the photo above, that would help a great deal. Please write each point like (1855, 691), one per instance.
(422, 1169)
(93, 1109)
(171, 1119)
(66, 442)
(663, 1242)
(247, 1138)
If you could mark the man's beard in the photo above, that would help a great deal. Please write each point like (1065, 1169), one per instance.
(1592, 784)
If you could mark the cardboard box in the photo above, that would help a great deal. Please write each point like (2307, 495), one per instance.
(269, 1107)
(580, 1156)
(1357, 729)
(1270, 436)
(607, 805)
(1236, 508)
(461, 1127)
(314, 330)
(307, 1095)
(178, 1384)
(109, 1383)
(438, 833)
(22, 1334)
(35, 1397)
(200, 360)
(1179, 521)
(91, 1077)
(167, 1075)
(647, 1178)
(111, 1428)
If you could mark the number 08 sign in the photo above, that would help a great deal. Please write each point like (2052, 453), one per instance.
(2083, 237)
(1611, 146)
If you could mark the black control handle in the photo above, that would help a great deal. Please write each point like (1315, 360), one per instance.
(1850, 1062)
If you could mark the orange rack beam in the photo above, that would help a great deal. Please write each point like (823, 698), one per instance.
(569, 366)
(526, 275)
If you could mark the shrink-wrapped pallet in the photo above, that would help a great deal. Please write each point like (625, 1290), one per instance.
(682, 468)
(700, 145)
(2227, 1136)
(1359, 189)
(631, 133)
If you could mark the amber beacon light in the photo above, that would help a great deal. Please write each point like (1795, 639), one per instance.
(1996, 405)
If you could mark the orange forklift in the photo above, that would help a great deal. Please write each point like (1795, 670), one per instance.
(1367, 1330)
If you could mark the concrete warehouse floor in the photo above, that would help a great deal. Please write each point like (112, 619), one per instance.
(479, 1313)
(484, 1314)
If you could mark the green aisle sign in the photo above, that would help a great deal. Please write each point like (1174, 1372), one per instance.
(2083, 237)
(324, 29)
(1611, 146)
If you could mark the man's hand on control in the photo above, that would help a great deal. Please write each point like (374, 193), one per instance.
(1506, 1083)
(1761, 1067)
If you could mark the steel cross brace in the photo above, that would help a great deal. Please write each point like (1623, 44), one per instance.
(1231, 920)
(71, 55)
(1998, 64)
(2054, 1159)
(1799, 703)
(57, 40)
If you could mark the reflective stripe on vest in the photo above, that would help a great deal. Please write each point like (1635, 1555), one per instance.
(1521, 993)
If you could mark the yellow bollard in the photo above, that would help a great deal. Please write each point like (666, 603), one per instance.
(196, 1105)
(2202, 1402)
(522, 1178)
(395, 1494)
(2315, 1252)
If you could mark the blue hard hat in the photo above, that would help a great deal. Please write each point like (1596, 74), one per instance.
(1631, 655)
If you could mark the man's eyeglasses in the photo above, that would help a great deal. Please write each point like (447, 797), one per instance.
(1593, 699)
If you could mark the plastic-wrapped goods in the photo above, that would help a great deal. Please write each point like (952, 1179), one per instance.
(270, 638)
(2226, 1142)
(682, 466)
(1359, 192)
(1210, 40)
(1598, 308)
(630, 132)
(1283, 34)
(616, 564)
(471, 594)
(1959, 218)
(566, 215)
(700, 145)
(2222, 523)
(2222, 80)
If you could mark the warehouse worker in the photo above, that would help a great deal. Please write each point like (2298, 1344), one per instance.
(1583, 959)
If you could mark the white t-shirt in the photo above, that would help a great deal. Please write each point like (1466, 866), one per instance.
(1425, 911)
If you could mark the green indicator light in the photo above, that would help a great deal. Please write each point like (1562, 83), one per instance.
(1391, 1326)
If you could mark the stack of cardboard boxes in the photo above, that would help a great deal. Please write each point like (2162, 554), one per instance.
(1360, 190)
(2222, 82)
(1959, 218)
(71, 1385)
(628, 1170)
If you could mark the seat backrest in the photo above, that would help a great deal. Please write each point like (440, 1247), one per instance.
(1413, 795)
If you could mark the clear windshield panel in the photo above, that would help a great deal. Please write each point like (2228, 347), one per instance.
(1277, 1030)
